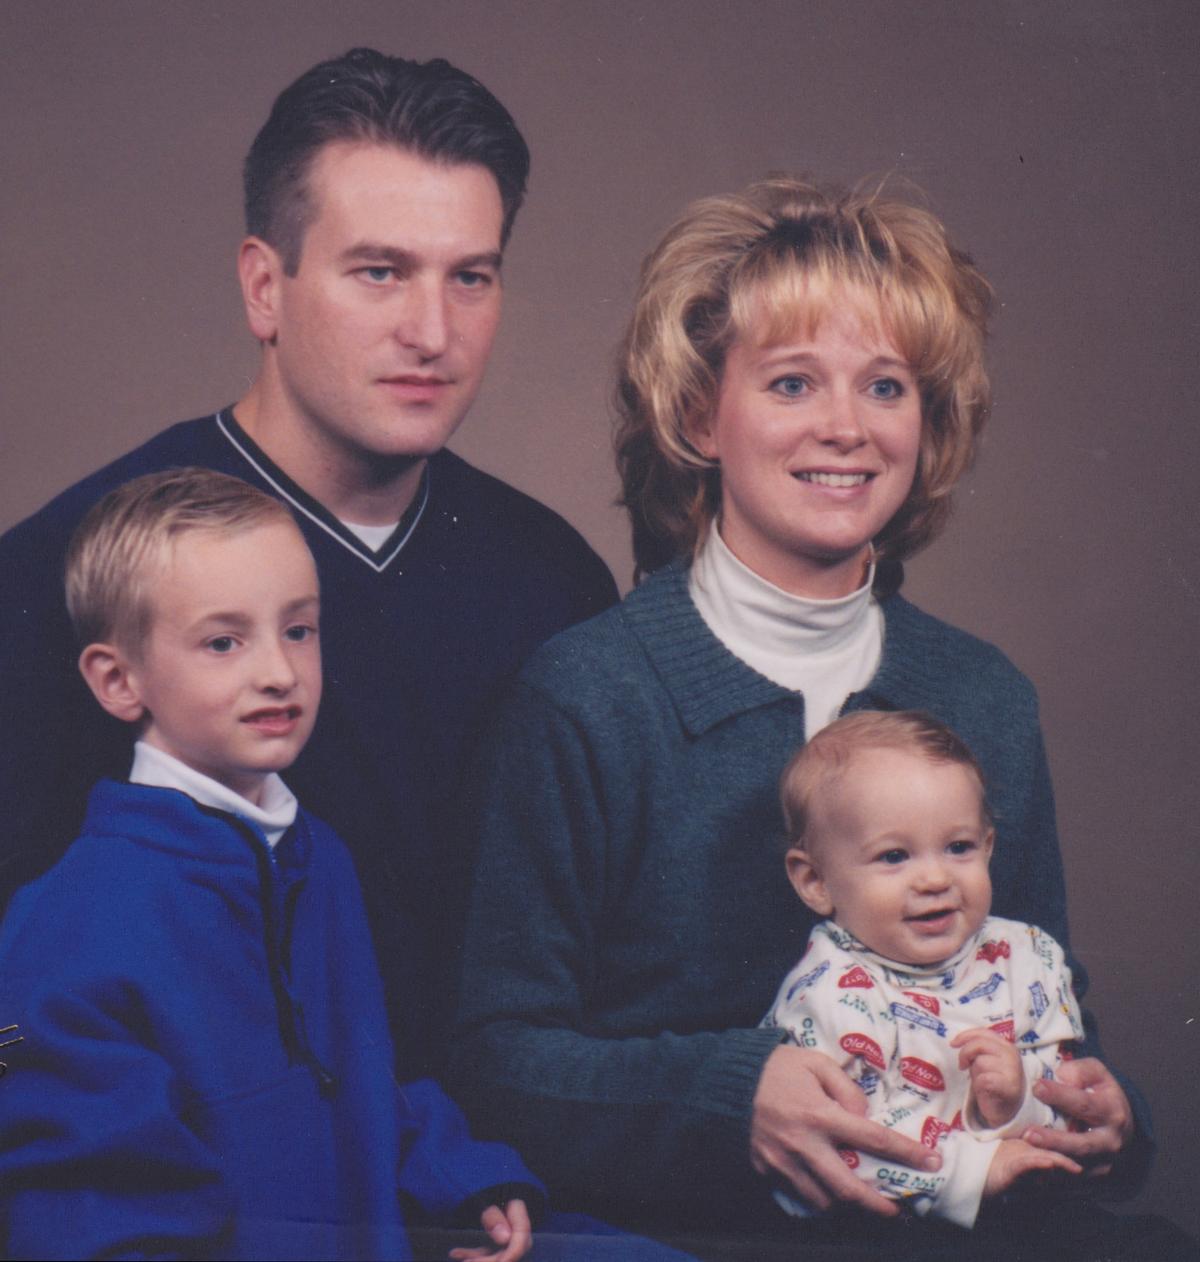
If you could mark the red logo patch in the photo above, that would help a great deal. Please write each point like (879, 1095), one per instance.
(922, 1073)
(868, 1049)
(858, 978)
(928, 1002)
(933, 1130)
(1005, 1029)
(992, 951)
(850, 1157)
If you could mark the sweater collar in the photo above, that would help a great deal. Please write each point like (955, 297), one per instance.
(708, 684)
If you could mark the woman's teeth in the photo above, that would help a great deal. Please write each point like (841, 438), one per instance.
(833, 479)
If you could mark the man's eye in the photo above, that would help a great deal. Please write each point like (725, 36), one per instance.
(222, 643)
(790, 387)
(474, 280)
(378, 275)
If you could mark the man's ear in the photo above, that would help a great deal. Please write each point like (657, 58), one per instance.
(260, 271)
(806, 881)
(108, 673)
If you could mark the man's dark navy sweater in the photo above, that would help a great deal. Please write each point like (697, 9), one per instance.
(417, 639)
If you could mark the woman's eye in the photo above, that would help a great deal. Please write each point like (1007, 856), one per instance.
(222, 643)
(789, 387)
(886, 388)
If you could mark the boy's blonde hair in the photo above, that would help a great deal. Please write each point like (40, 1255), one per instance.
(814, 767)
(110, 559)
(794, 249)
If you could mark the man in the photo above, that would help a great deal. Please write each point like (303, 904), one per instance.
(379, 196)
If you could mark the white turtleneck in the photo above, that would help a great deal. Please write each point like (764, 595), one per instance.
(154, 767)
(825, 649)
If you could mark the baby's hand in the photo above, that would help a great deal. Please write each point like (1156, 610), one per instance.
(997, 1079)
(509, 1228)
(1014, 1158)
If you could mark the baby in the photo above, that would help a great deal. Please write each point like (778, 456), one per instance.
(943, 1015)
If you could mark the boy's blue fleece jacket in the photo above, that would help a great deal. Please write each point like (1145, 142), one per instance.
(205, 1066)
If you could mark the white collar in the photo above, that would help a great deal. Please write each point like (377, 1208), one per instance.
(743, 607)
(155, 767)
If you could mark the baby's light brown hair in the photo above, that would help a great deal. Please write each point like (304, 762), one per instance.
(111, 559)
(831, 750)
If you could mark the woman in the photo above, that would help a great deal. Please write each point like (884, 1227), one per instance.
(802, 386)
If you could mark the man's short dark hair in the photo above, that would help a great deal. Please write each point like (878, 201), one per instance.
(430, 108)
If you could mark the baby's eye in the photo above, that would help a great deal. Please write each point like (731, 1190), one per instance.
(222, 644)
(886, 388)
(791, 386)
(300, 632)
(893, 856)
(965, 846)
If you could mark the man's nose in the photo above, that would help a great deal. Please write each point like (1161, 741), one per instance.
(424, 323)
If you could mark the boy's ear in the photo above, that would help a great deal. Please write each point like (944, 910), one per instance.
(806, 881)
(260, 270)
(107, 672)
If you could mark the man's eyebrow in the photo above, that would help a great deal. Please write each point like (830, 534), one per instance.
(405, 260)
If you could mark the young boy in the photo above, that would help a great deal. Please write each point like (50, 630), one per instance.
(205, 1067)
(943, 1015)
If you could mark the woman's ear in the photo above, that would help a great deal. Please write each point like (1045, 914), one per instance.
(701, 432)
(108, 673)
(260, 270)
(806, 881)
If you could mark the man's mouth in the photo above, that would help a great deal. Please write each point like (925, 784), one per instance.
(821, 478)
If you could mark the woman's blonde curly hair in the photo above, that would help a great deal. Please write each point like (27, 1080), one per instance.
(793, 250)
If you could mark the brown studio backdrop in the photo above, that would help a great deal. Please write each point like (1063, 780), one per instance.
(1057, 140)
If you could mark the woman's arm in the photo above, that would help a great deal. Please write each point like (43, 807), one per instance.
(610, 1107)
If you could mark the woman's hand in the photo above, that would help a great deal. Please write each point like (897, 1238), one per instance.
(997, 1078)
(1091, 1099)
(805, 1109)
(508, 1227)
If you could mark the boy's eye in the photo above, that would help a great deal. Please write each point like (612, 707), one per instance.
(299, 633)
(222, 643)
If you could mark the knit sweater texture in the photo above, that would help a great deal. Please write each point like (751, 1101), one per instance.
(632, 919)
(417, 641)
(206, 1068)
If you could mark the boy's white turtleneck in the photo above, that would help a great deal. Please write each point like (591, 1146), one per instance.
(825, 649)
(154, 767)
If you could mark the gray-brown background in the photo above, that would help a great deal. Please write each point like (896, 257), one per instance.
(1059, 141)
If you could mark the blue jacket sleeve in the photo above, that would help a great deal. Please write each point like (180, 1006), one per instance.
(449, 1174)
(95, 1159)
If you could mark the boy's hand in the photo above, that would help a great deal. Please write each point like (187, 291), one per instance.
(1014, 1158)
(997, 1078)
(509, 1228)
